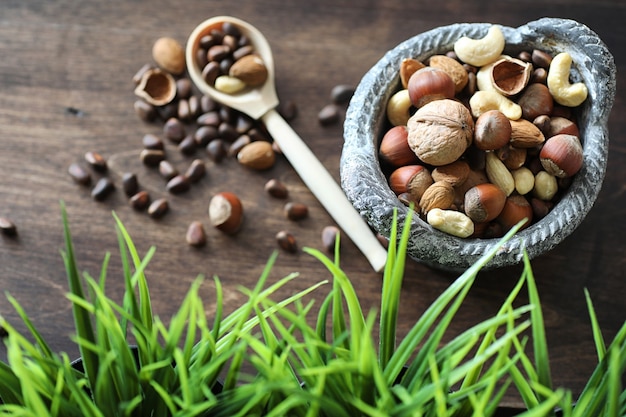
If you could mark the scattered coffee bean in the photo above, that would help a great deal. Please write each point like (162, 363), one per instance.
(183, 88)
(227, 131)
(329, 238)
(102, 189)
(184, 113)
(276, 188)
(341, 94)
(194, 106)
(207, 104)
(288, 110)
(296, 211)
(145, 111)
(158, 208)
(151, 141)
(237, 145)
(167, 170)
(188, 145)
(178, 184)
(79, 174)
(7, 227)
(205, 134)
(96, 161)
(152, 157)
(216, 150)
(196, 170)
(140, 200)
(243, 124)
(329, 114)
(130, 184)
(168, 111)
(286, 241)
(196, 236)
(174, 130)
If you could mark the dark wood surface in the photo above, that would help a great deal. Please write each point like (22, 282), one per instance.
(66, 88)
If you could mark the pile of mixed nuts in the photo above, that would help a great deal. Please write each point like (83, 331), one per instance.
(481, 140)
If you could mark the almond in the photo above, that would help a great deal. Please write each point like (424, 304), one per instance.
(453, 68)
(524, 134)
(439, 195)
(408, 67)
(250, 69)
(454, 174)
(258, 155)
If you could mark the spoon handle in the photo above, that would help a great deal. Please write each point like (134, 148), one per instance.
(325, 189)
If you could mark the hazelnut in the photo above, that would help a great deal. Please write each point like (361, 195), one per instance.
(484, 202)
(428, 84)
(516, 208)
(535, 101)
(561, 125)
(562, 155)
(394, 147)
(453, 68)
(492, 130)
(412, 179)
(226, 212)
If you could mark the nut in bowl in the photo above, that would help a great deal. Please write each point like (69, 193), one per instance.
(581, 89)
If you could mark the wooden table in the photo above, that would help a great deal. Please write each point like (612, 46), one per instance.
(66, 88)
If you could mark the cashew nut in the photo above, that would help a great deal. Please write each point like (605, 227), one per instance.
(398, 108)
(483, 101)
(450, 221)
(564, 93)
(479, 52)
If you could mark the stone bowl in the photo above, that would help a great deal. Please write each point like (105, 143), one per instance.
(366, 186)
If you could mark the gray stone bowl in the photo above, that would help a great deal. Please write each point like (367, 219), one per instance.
(365, 184)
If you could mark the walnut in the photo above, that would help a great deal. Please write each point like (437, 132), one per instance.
(440, 131)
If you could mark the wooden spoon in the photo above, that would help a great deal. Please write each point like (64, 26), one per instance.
(260, 103)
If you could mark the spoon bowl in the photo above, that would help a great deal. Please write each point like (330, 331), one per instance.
(260, 103)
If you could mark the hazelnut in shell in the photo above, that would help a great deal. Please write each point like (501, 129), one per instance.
(226, 212)
(428, 84)
(492, 130)
(484, 202)
(411, 179)
(394, 147)
(516, 208)
(562, 155)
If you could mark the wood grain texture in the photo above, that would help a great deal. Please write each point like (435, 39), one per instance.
(66, 88)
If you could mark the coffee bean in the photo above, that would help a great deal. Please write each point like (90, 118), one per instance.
(243, 124)
(140, 72)
(231, 29)
(196, 170)
(174, 130)
(329, 114)
(158, 208)
(211, 118)
(196, 236)
(183, 88)
(286, 241)
(238, 144)
(168, 111)
(242, 51)
(140, 200)
(151, 141)
(152, 157)
(145, 111)
(102, 189)
(207, 104)
(178, 184)
(211, 71)
(276, 189)
(216, 150)
(227, 131)
(288, 110)
(218, 52)
(204, 135)
(167, 170)
(130, 184)
(194, 106)
(7, 227)
(96, 161)
(341, 94)
(296, 211)
(184, 113)
(329, 238)
(188, 145)
(79, 174)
